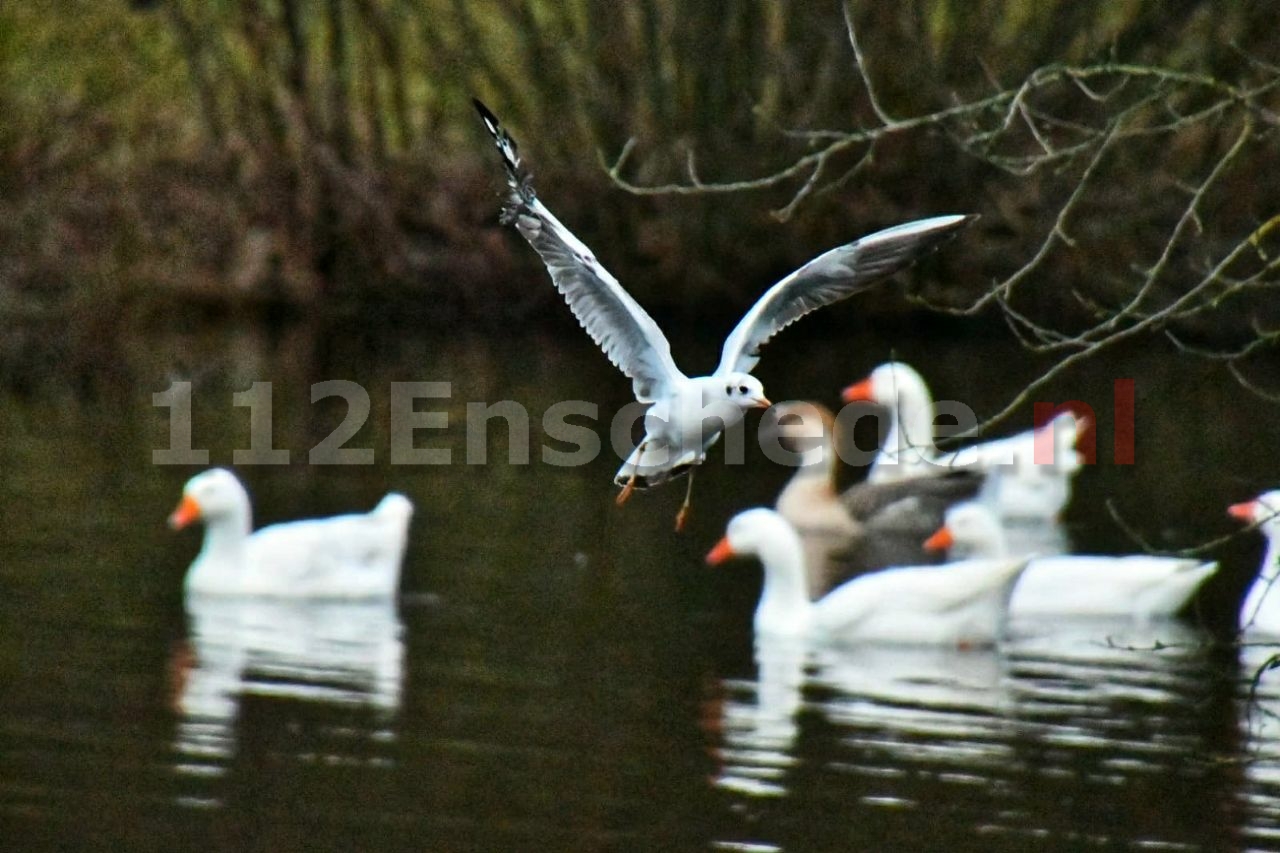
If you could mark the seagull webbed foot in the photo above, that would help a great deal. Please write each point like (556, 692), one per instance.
(683, 515)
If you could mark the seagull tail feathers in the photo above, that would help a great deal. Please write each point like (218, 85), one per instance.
(518, 178)
(653, 463)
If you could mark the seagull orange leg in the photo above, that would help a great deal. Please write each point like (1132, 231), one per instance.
(631, 481)
(683, 514)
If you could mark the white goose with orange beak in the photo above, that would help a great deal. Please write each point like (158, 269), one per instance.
(962, 604)
(344, 556)
(1261, 609)
(1138, 586)
(1020, 485)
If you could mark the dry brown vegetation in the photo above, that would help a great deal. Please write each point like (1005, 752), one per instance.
(1123, 154)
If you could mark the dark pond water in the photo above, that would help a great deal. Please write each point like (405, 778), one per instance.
(562, 674)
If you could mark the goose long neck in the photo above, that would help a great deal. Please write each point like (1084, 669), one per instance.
(1261, 592)
(225, 536)
(992, 542)
(909, 442)
(784, 601)
(820, 465)
(888, 460)
(831, 455)
(814, 480)
(911, 425)
(810, 486)
(1271, 562)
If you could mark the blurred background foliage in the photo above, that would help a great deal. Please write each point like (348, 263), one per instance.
(324, 152)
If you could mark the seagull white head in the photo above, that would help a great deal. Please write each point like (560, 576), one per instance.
(745, 391)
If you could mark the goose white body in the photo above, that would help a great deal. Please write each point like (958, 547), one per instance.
(1139, 586)
(962, 603)
(346, 556)
(925, 605)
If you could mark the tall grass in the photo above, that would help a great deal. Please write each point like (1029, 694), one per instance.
(324, 150)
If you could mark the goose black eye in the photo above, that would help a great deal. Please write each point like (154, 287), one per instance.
(742, 389)
(728, 389)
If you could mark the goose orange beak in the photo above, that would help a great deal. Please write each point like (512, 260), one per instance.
(723, 551)
(188, 511)
(1084, 428)
(1242, 511)
(941, 540)
(858, 391)
(762, 402)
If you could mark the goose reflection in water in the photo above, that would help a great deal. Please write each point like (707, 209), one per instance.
(1030, 739)
(343, 654)
(758, 719)
(1258, 701)
(892, 685)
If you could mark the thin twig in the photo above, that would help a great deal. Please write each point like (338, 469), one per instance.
(860, 62)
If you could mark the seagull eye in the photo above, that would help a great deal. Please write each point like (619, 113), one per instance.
(742, 389)
(728, 390)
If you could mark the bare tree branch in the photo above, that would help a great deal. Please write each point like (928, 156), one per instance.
(1078, 127)
(861, 64)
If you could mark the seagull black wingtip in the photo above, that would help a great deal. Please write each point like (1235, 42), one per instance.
(486, 115)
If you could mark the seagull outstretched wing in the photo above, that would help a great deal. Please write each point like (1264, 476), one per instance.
(615, 321)
(830, 277)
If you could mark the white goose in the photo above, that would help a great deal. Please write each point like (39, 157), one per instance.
(688, 414)
(1019, 485)
(1261, 609)
(1140, 586)
(345, 556)
(960, 604)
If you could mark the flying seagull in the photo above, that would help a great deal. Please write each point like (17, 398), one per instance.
(688, 414)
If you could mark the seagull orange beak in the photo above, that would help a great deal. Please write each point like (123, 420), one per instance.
(859, 391)
(188, 511)
(1242, 511)
(762, 402)
(941, 540)
(723, 551)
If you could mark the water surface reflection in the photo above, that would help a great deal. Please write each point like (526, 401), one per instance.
(1080, 732)
(582, 681)
(1258, 704)
(344, 654)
